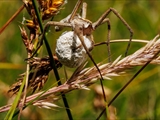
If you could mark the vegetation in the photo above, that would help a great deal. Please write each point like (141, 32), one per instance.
(140, 100)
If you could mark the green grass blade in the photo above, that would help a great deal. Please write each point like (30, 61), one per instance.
(15, 103)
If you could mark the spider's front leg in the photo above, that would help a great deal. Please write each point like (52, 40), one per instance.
(50, 23)
(80, 31)
(102, 20)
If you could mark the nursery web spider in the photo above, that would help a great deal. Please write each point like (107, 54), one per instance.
(82, 29)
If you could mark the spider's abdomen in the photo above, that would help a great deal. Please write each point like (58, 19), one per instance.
(70, 51)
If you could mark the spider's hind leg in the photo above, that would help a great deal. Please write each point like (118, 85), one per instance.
(107, 42)
(104, 15)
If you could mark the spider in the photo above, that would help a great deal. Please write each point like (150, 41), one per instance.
(73, 47)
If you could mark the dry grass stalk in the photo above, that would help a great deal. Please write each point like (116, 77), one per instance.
(84, 77)
(38, 75)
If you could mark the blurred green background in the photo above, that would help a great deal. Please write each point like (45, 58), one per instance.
(141, 99)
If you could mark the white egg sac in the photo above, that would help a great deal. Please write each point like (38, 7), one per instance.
(70, 51)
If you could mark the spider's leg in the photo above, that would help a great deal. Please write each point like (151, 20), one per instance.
(69, 18)
(79, 2)
(84, 10)
(50, 23)
(107, 42)
(79, 33)
(108, 38)
(104, 15)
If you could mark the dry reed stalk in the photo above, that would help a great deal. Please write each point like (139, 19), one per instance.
(83, 77)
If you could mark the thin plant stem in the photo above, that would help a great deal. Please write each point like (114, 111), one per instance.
(52, 61)
(121, 40)
(25, 89)
(12, 18)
